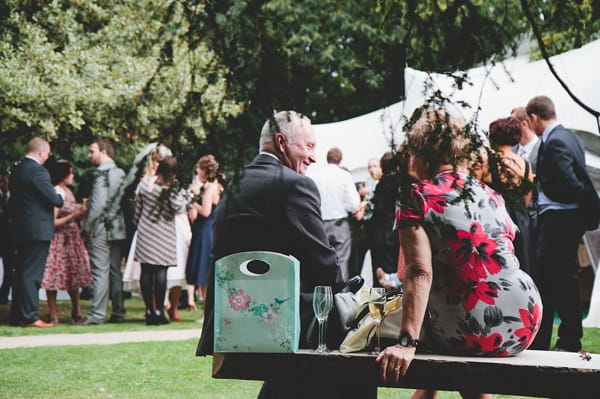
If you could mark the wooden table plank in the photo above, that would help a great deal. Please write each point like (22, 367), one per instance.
(531, 373)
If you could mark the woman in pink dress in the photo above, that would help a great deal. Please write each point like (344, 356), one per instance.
(68, 264)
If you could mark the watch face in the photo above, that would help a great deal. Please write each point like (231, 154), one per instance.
(404, 341)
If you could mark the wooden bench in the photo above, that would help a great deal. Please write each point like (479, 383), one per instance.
(531, 373)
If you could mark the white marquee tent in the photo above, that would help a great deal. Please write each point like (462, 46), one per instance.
(496, 89)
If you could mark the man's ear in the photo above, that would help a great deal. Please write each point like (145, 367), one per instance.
(280, 142)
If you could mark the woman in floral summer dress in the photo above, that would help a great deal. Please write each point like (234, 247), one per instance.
(456, 236)
(68, 263)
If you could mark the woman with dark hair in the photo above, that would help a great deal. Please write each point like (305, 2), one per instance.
(512, 177)
(156, 247)
(68, 263)
(201, 214)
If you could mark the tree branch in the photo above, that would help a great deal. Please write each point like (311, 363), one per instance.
(538, 36)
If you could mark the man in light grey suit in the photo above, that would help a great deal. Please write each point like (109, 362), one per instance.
(104, 228)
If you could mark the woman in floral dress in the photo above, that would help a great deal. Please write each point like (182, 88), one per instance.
(68, 263)
(461, 269)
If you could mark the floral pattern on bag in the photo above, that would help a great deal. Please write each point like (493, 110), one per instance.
(481, 303)
(244, 305)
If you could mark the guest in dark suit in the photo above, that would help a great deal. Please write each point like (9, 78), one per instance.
(31, 209)
(6, 247)
(568, 206)
(275, 207)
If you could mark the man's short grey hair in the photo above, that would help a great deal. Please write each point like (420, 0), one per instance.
(37, 144)
(286, 122)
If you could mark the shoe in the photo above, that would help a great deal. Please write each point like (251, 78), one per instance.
(175, 318)
(39, 324)
(114, 319)
(561, 348)
(88, 322)
(53, 320)
(76, 320)
(151, 319)
(161, 318)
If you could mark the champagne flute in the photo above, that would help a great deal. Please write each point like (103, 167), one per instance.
(322, 304)
(376, 309)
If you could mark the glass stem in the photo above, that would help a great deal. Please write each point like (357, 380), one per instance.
(377, 332)
(321, 334)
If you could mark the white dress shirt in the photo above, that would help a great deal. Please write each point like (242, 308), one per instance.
(338, 193)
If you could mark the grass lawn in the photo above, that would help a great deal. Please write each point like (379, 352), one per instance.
(145, 370)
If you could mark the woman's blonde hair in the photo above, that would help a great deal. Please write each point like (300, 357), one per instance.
(156, 155)
(438, 138)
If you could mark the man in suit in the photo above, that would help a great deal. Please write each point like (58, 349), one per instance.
(31, 209)
(566, 203)
(6, 247)
(273, 206)
(104, 228)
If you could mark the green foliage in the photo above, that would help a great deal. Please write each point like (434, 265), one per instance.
(564, 25)
(201, 76)
(71, 71)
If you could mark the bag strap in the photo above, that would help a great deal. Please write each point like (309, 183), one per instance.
(365, 309)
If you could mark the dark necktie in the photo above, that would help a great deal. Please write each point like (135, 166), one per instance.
(539, 156)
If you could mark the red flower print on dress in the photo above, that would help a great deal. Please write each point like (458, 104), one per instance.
(448, 182)
(531, 323)
(238, 300)
(470, 293)
(481, 291)
(474, 248)
(489, 345)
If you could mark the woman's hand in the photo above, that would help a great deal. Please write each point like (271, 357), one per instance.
(394, 362)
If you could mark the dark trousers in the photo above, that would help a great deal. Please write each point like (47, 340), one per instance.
(8, 261)
(560, 233)
(31, 262)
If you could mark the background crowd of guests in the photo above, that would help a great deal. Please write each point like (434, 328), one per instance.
(52, 241)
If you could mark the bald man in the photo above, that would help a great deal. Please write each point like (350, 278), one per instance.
(31, 209)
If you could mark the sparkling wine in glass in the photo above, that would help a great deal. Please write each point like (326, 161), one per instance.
(322, 304)
(376, 309)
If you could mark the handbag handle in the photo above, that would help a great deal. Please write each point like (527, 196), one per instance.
(365, 310)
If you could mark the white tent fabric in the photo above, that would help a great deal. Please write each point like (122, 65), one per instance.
(496, 89)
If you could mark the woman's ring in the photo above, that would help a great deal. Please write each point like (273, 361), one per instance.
(397, 369)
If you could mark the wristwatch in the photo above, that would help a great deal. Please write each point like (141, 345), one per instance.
(406, 340)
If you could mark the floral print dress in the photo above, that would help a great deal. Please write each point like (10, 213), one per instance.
(481, 303)
(68, 263)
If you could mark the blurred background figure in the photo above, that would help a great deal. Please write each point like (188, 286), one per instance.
(384, 241)
(6, 248)
(68, 263)
(339, 199)
(175, 275)
(31, 208)
(207, 193)
(156, 248)
(512, 177)
(105, 233)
